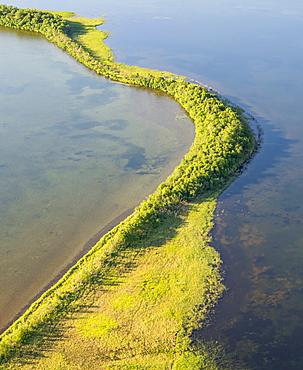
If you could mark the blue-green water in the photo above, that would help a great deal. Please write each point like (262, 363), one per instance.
(252, 52)
(76, 152)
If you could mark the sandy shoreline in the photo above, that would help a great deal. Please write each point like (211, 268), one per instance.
(86, 248)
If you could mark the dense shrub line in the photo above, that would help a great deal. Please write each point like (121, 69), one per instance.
(222, 143)
(31, 20)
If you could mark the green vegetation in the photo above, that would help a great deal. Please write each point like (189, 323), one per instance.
(137, 307)
(32, 20)
(84, 31)
(134, 300)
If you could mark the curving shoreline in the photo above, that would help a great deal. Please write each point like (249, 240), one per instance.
(223, 142)
(85, 249)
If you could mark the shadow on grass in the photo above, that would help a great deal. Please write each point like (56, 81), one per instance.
(79, 29)
(113, 273)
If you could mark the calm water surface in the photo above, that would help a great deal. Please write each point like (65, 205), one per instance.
(252, 52)
(76, 152)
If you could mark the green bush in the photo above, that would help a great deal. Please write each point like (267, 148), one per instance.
(222, 143)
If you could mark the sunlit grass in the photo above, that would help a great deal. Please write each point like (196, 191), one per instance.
(141, 315)
(84, 31)
(134, 300)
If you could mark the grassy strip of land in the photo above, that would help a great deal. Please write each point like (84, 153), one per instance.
(84, 31)
(133, 301)
(139, 312)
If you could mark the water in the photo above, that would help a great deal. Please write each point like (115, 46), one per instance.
(77, 151)
(252, 53)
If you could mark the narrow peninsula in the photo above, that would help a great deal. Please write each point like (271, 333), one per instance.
(134, 300)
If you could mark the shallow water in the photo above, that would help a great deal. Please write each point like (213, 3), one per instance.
(252, 53)
(76, 152)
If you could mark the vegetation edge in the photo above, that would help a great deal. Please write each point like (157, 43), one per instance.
(224, 141)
